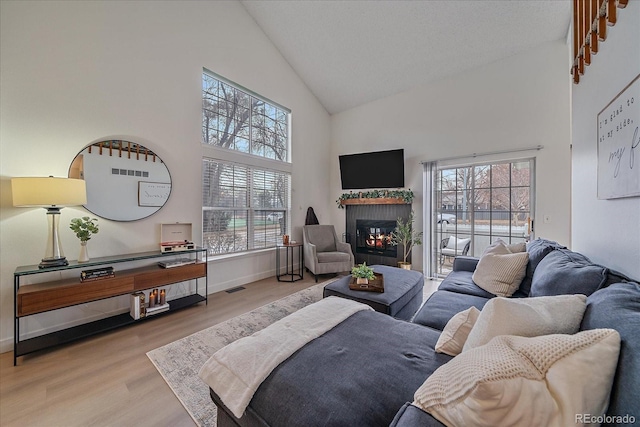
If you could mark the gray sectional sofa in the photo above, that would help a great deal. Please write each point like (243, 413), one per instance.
(613, 301)
(366, 370)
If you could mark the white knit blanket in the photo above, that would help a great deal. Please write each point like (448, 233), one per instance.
(236, 371)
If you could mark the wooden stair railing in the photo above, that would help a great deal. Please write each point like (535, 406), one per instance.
(590, 21)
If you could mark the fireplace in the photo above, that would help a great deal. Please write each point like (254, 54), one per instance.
(374, 237)
(386, 213)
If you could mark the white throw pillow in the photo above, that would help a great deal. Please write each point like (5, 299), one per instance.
(456, 331)
(510, 247)
(527, 317)
(457, 244)
(517, 247)
(515, 381)
(499, 271)
(453, 243)
(513, 247)
(462, 243)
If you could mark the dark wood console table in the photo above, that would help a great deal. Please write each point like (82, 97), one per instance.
(31, 299)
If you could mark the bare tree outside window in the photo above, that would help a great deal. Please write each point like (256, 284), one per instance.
(244, 207)
(236, 120)
(483, 203)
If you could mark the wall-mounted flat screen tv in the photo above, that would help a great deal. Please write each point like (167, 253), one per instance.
(379, 169)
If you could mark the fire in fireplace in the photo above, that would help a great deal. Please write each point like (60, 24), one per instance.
(374, 237)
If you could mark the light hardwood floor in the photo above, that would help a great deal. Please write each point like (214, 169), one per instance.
(108, 380)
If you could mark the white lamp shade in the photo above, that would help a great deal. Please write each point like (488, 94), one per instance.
(48, 191)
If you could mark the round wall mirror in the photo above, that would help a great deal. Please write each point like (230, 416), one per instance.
(125, 180)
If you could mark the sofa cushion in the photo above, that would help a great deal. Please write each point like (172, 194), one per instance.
(537, 249)
(412, 416)
(541, 381)
(614, 276)
(566, 272)
(323, 382)
(618, 307)
(499, 270)
(462, 283)
(333, 257)
(456, 331)
(465, 263)
(442, 305)
(519, 294)
(527, 317)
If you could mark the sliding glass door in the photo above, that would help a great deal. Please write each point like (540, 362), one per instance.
(477, 204)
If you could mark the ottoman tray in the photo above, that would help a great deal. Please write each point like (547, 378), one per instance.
(402, 292)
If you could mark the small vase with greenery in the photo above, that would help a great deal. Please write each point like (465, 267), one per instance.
(362, 273)
(405, 235)
(84, 228)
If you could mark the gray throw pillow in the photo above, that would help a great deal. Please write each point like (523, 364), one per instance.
(537, 249)
(565, 272)
(618, 306)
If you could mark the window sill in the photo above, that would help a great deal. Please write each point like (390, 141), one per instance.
(238, 255)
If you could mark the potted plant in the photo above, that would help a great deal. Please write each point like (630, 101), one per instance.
(363, 274)
(84, 228)
(405, 235)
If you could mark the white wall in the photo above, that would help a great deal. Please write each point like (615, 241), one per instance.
(607, 231)
(519, 102)
(74, 72)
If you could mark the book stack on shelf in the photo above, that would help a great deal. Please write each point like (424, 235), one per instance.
(138, 306)
(157, 303)
(96, 274)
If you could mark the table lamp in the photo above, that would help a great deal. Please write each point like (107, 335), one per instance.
(52, 194)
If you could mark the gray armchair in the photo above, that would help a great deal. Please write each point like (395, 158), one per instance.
(323, 252)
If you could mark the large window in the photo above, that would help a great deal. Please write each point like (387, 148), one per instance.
(245, 169)
(483, 203)
(235, 119)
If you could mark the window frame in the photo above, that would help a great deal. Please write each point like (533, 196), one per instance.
(254, 163)
(264, 99)
(440, 231)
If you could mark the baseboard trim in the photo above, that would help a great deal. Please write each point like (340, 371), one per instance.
(6, 345)
(239, 281)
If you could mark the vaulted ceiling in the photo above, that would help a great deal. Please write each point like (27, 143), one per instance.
(352, 52)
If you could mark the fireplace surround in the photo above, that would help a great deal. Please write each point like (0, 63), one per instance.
(374, 212)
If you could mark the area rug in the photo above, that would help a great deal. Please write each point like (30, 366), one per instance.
(179, 362)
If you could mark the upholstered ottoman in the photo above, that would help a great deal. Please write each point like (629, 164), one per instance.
(402, 294)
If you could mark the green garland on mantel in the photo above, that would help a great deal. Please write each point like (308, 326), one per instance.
(405, 195)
